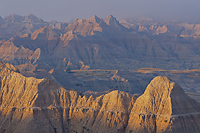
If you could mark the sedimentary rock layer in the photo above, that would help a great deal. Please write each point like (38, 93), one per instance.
(39, 105)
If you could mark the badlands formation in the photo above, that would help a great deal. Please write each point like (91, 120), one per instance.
(28, 104)
(99, 54)
(92, 58)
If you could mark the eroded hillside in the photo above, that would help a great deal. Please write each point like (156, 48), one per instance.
(39, 105)
(99, 54)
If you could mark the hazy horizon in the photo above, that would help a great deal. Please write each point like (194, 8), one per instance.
(66, 10)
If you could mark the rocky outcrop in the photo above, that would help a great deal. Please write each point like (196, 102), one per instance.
(18, 55)
(164, 107)
(16, 25)
(32, 18)
(39, 105)
(98, 44)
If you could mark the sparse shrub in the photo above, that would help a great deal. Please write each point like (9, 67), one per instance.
(84, 127)
(165, 120)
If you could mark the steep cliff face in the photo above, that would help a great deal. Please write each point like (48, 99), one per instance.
(39, 105)
(164, 107)
(95, 44)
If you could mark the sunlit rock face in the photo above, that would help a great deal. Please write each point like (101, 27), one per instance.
(36, 47)
(39, 105)
(103, 43)
(162, 108)
(74, 54)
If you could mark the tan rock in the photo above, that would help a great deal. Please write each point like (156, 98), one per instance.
(39, 105)
(161, 108)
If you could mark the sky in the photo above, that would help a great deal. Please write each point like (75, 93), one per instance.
(65, 10)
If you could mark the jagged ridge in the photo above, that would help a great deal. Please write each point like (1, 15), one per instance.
(39, 105)
(28, 103)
